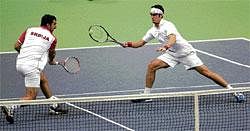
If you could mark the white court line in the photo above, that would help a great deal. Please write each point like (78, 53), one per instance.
(104, 118)
(158, 89)
(203, 52)
(96, 47)
(224, 59)
(246, 39)
(225, 39)
(136, 90)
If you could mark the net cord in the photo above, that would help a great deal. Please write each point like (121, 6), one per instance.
(124, 97)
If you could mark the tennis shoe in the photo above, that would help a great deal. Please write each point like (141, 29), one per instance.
(57, 110)
(141, 100)
(239, 97)
(8, 112)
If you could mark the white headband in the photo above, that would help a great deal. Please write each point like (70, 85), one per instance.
(156, 11)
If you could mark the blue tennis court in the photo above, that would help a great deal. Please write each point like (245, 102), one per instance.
(112, 70)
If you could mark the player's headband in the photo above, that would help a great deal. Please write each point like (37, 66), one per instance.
(155, 11)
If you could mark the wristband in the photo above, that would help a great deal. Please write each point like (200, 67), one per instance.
(166, 46)
(129, 44)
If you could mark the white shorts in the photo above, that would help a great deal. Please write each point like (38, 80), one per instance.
(31, 75)
(189, 61)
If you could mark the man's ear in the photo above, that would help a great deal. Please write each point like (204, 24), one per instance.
(48, 25)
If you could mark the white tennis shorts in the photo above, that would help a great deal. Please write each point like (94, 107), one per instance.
(31, 75)
(189, 61)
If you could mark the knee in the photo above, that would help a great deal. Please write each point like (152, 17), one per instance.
(157, 64)
(152, 66)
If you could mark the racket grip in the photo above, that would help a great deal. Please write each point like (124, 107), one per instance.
(57, 62)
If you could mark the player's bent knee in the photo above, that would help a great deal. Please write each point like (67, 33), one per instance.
(152, 66)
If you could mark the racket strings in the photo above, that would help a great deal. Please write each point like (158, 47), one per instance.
(72, 65)
(98, 34)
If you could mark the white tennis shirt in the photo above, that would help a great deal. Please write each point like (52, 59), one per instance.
(36, 41)
(180, 48)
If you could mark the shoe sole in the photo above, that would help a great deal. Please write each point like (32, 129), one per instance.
(141, 100)
(52, 112)
(8, 117)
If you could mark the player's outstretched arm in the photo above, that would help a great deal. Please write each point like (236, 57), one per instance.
(137, 44)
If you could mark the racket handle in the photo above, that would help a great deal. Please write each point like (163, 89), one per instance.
(57, 62)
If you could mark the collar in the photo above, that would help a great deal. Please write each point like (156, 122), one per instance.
(46, 28)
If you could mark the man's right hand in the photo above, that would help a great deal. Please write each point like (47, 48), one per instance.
(127, 44)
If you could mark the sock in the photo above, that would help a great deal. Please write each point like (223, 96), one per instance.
(147, 90)
(229, 87)
(53, 98)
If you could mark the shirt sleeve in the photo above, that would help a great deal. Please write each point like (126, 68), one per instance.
(53, 45)
(22, 37)
(171, 29)
(148, 36)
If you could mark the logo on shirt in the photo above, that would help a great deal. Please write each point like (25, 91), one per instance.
(39, 35)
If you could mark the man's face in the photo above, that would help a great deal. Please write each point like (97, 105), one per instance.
(52, 26)
(156, 18)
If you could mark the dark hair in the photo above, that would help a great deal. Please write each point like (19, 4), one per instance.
(158, 7)
(47, 19)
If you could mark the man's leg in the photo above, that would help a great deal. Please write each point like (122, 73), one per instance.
(153, 66)
(44, 83)
(32, 84)
(30, 93)
(212, 75)
(219, 80)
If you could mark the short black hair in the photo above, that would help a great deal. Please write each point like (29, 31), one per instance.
(47, 19)
(158, 7)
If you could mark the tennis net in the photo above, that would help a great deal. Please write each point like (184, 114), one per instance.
(196, 110)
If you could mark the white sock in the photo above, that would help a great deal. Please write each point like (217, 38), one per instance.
(229, 87)
(147, 90)
(53, 98)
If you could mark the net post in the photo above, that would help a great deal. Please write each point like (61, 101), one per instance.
(196, 112)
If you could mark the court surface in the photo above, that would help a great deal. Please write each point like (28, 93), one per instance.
(114, 70)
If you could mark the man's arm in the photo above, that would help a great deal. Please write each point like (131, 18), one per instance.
(169, 44)
(19, 42)
(137, 44)
(52, 55)
(17, 46)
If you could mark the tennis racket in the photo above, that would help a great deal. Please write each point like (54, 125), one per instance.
(99, 34)
(71, 64)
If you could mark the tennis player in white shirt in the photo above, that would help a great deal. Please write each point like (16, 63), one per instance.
(36, 47)
(176, 50)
